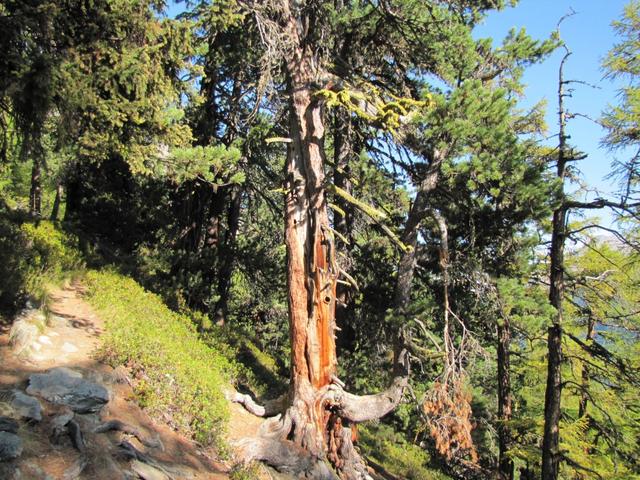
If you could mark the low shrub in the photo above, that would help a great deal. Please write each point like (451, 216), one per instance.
(178, 377)
(33, 255)
(388, 448)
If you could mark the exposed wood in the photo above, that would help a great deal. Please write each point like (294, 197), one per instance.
(286, 456)
(269, 409)
(362, 408)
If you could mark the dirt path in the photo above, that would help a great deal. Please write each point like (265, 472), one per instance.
(70, 341)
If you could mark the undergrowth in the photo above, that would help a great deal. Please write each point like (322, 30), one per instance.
(33, 255)
(178, 377)
(390, 449)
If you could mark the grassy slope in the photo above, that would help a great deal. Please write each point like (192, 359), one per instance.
(177, 374)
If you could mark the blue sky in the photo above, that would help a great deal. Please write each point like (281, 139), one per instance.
(589, 35)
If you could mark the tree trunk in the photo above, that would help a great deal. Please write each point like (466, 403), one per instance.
(314, 431)
(505, 464)
(311, 272)
(407, 264)
(586, 372)
(343, 224)
(419, 209)
(553, 393)
(56, 203)
(35, 194)
(227, 256)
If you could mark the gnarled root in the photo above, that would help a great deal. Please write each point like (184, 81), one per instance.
(269, 409)
(130, 430)
(286, 456)
(312, 439)
(361, 408)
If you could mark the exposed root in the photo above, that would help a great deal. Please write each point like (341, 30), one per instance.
(312, 438)
(276, 427)
(361, 408)
(125, 428)
(269, 409)
(286, 456)
(75, 433)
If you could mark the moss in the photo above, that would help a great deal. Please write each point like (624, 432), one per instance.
(178, 376)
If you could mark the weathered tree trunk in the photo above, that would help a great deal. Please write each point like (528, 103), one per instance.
(314, 431)
(55, 210)
(35, 194)
(553, 393)
(311, 271)
(505, 464)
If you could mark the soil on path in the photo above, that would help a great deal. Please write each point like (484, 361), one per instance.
(70, 341)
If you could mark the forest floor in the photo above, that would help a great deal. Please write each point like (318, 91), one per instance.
(70, 340)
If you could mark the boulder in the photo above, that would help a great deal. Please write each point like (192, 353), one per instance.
(26, 406)
(64, 386)
(22, 335)
(10, 446)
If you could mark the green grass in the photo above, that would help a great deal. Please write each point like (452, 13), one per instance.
(178, 377)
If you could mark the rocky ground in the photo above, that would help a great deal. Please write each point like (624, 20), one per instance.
(64, 415)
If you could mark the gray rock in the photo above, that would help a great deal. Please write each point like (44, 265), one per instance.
(8, 424)
(10, 446)
(64, 386)
(26, 406)
(61, 420)
(22, 335)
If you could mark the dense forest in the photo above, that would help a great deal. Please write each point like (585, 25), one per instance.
(349, 201)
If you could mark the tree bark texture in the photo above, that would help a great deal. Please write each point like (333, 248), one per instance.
(311, 269)
(312, 438)
(505, 464)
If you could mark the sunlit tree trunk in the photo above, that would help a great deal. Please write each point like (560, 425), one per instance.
(311, 272)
